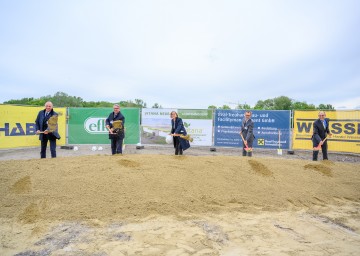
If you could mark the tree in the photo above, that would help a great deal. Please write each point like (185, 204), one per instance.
(212, 107)
(266, 104)
(61, 99)
(140, 103)
(243, 106)
(301, 106)
(130, 104)
(27, 101)
(156, 105)
(282, 103)
(323, 106)
(225, 107)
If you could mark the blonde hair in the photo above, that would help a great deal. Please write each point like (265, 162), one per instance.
(174, 113)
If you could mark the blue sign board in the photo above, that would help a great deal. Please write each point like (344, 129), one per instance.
(267, 125)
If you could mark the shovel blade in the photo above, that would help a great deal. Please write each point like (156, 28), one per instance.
(279, 151)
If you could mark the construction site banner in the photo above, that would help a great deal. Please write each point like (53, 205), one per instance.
(87, 125)
(344, 126)
(198, 123)
(271, 128)
(18, 129)
(155, 125)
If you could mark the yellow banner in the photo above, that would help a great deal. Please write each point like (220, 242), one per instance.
(17, 126)
(344, 125)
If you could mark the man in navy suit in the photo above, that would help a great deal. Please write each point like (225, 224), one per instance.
(41, 123)
(177, 129)
(320, 132)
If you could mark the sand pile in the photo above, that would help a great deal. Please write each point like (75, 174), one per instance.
(209, 203)
(108, 187)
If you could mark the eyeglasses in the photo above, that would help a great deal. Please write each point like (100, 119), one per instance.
(321, 115)
(247, 115)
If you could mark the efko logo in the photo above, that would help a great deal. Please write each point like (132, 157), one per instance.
(95, 125)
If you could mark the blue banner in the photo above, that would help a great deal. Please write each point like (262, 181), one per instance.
(271, 128)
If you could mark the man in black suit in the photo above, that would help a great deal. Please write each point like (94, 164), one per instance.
(116, 135)
(247, 131)
(320, 132)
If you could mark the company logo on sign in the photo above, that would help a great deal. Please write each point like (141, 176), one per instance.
(95, 125)
(261, 142)
(18, 129)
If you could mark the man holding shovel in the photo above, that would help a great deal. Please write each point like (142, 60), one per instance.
(247, 133)
(319, 137)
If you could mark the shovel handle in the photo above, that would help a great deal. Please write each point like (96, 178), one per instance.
(318, 147)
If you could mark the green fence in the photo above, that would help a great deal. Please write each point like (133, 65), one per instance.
(87, 125)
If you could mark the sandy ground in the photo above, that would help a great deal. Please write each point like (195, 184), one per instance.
(149, 202)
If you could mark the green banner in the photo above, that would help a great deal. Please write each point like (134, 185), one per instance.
(195, 113)
(87, 125)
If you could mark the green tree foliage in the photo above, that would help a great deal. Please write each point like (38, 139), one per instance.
(27, 101)
(286, 103)
(156, 105)
(130, 104)
(243, 106)
(327, 106)
(282, 103)
(225, 107)
(61, 99)
(265, 104)
(297, 105)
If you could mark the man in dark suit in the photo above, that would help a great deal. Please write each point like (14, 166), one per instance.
(320, 132)
(247, 131)
(41, 123)
(116, 135)
(177, 129)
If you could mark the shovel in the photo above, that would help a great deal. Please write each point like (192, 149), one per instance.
(247, 149)
(319, 146)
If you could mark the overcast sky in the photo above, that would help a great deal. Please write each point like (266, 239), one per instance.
(182, 54)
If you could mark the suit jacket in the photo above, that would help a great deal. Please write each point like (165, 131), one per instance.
(247, 129)
(41, 123)
(109, 121)
(179, 128)
(319, 131)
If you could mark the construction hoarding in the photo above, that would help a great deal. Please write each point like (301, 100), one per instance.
(18, 129)
(344, 126)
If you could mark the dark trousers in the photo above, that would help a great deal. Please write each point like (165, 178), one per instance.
(44, 143)
(323, 149)
(116, 145)
(178, 148)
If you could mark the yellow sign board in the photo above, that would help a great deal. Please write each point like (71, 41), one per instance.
(344, 125)
(17, 126)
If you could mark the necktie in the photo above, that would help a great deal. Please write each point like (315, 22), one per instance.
(324, 124)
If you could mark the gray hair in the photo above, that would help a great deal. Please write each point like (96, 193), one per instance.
(49, 102)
